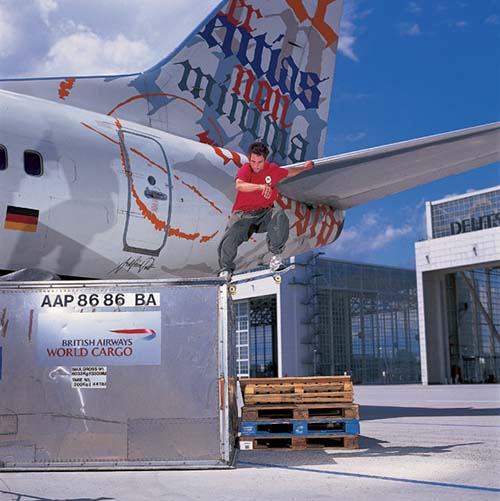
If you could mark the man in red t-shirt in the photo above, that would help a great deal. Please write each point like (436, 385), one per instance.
(254, 210)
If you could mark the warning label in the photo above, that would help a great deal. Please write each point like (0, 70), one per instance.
(89, 377)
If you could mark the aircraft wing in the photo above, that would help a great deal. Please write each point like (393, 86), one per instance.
(350, 179)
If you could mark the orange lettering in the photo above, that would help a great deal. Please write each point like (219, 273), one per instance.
(284, 202)
(235, 157)
(65, 86)
(248, 87)
(327, 226)
(318, 20)
(303, 218)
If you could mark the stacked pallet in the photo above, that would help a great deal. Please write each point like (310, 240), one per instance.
(298, 413)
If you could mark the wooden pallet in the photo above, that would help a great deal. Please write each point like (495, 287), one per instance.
(320, 384)
(297, 390)
(284, 398)
(300, 412)
(300, 443)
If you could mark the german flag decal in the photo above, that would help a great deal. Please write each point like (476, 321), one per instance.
(21, 218)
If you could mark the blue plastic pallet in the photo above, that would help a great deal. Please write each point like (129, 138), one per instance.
(299, 428)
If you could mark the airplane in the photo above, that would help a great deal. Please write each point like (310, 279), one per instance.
(132, 176)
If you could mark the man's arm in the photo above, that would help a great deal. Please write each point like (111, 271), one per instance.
(247, 187)
(293, 171)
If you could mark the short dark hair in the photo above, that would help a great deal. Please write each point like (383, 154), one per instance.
(258, 148)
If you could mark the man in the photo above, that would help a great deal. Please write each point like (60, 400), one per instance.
(254, 210)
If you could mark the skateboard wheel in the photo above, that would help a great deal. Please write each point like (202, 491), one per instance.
(277, 279)
(232, 289)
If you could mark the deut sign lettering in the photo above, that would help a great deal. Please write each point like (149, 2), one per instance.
(475, 223)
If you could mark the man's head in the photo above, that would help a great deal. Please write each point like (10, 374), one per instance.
(257, 154)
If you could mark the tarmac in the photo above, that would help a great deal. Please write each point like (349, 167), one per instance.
(417, 442)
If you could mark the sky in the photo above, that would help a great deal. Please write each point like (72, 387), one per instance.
(405, 69)
(409, 69)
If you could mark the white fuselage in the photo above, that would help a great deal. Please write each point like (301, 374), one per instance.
(118, 199)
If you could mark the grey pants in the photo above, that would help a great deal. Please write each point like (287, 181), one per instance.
(243, 224)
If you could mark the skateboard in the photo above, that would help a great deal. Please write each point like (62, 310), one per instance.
(232, 286)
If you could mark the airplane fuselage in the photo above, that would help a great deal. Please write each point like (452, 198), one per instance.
(115, 199)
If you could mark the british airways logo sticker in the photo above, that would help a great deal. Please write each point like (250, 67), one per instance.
(96, 339)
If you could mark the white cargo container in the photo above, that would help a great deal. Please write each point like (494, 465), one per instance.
(118, 374)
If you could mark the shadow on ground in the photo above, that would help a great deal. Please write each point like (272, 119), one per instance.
(368, 447)
(369, 412)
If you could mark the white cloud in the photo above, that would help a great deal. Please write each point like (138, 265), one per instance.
(8, 36)
(46, 7)
(346, 46)
(370, 219)
(355, 136)
(409, 29)
(461, 24)
(34, 34)
(388, 235)
(414, 8)
(373, 233)
(86, 53)
(348, 28)
(350, 137)
(493, 19)
(352, 96)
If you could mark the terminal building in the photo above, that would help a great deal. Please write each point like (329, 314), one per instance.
(329, 317)
(458, 282)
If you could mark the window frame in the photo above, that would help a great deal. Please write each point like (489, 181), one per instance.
(4, 148)
(40, 157)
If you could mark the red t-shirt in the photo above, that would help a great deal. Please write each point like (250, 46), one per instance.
(271, 174)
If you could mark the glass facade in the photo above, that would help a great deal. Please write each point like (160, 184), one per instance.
(242, 338)
(364, 322)
(465, 214)
(473, 304)
(357, 319)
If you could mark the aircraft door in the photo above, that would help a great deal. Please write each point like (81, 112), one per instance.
(149, 194)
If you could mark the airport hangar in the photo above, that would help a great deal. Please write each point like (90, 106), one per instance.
(438, 324)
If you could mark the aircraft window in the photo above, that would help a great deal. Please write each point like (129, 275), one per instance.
(33, 163)
(3, 157)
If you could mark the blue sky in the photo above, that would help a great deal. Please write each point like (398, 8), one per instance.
(405, 69)
(411, 69)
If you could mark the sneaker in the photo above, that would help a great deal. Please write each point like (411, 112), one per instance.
(226, 275)
(276, 263)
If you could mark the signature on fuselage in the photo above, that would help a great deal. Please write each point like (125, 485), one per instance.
(135, 263)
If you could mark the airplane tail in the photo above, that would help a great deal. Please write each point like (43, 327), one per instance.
(254, 70)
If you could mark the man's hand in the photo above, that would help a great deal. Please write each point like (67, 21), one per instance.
(293, 171)
(266, 190)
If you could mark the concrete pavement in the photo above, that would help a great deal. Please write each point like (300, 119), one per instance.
(417, 442)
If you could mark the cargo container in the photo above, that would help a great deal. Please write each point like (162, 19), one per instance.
(116, 375)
